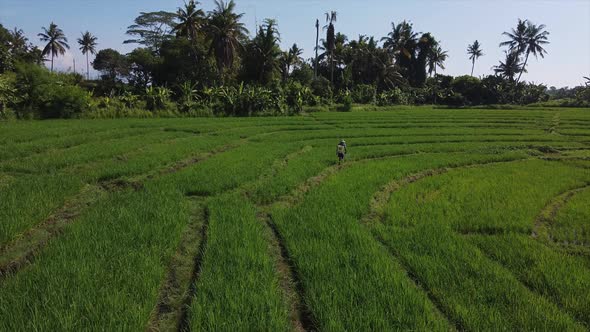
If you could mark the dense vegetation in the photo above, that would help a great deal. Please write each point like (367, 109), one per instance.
(437, 220)
(194, 63)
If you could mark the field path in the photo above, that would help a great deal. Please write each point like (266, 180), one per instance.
(22, 250)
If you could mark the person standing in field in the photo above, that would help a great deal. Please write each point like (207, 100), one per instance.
(341, 151)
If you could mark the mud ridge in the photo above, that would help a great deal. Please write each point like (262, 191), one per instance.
(176, 291)
(302, 318)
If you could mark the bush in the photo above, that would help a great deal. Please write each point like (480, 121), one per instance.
(531, 93)
(364, 94)
(322, 88)
(454, 99)
(469, 87)
(8, 95)
(49, 95)
(246, 100)
(297, 96)
(583, 96)
(158, 99)
(391, 97)
(347, 103)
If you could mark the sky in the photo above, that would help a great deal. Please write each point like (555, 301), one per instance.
(456, 23)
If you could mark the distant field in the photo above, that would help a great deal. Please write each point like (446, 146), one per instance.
(437, 220)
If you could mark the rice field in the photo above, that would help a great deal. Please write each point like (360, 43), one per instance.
(437, 220)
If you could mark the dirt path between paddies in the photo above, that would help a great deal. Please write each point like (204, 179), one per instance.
(179, 287)
(547, 216)
(21, 251)
(377, 215)
(24, 248)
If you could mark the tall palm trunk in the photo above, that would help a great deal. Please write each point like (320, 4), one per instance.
(435, 86)
(87, 68)
(472, 67)
(332, 66)
(523, 67)
(317, 40)
(52, 62)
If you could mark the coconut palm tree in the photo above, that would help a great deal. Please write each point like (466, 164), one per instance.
(191, 20)
(225, 31)
(289, 59)
(266, 44)
(57, 43)
(510, 67)
(535, 38)
(475, 52)
(436, 59)
(517, 37)
(587, 81)
(19, 41)
(331, 18)
(317, 42)
(401, 40)
(88, 46)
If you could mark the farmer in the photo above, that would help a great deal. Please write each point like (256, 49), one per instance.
(341, 151)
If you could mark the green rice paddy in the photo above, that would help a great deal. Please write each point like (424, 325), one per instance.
(437, 220)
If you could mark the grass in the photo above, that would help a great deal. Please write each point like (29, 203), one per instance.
(571, 222)
(431, 223)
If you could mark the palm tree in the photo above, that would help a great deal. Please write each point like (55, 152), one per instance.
(587, 81)
(19, 41)
(57, 43)
(87, 45)
(267, 47)
(536, 37)
(290, 58)
(401, 40)
(510, 67)
(317, 40)
(331, 18)
(191, 19)
(474, 50)
(225, 31)
(517, 38)
(436, 58)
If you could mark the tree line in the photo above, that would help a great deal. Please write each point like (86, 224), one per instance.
(196, 61)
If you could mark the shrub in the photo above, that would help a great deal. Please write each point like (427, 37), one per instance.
(296, 96)
(469, 87)
(454, 99)
(246, 100)
(583, 96)
(49, 95)
(158, 99)
(391, 97)
(364, 94)
(322, 88)
(347, 103)
(532, 93)
(8, 95)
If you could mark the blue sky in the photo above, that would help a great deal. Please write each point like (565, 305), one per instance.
(454, 22)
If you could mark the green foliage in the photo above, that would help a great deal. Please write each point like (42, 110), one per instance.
(8, 95)
(158, 98)
(297, 96)
(469, 87)
(322, 88)
(407, 234)
(112, 64)
(347, 102)
(48, 95)
(246, 100)
(392, 97)
(364, 94)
